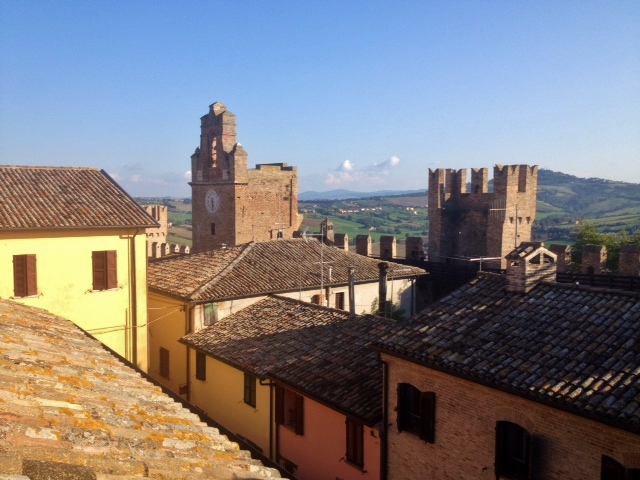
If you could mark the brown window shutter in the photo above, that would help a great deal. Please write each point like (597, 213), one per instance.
(99, 270)
(32, 277)
(112, 270)
(299, 415)
(427, 416)
(399, 406)
(19, 276)
(279, 405)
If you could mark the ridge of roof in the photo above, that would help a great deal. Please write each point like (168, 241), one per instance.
(267, 267)
(62, 198)
(246, 247)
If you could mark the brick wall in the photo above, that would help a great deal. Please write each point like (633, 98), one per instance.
(594, 259)
(481, 223)
(250, 204)
(565, 446)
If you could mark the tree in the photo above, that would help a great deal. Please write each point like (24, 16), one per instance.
(392, 311)
(588, 234)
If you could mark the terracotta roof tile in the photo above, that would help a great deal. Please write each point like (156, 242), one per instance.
(67, 405)
(63, 197)
(259, 268)
(571, 345)
(319, 351)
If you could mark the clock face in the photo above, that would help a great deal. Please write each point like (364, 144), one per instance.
(212, 201)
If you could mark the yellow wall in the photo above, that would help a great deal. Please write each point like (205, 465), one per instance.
(167, 325)
(65, 282)
(221, 396)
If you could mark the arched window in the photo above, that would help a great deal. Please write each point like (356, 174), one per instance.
(513, 451)
(416, 411)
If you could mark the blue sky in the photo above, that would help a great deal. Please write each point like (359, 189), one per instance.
(363, 95)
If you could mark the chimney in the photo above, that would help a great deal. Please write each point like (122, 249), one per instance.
(594, 259)
(382, 291)
(352, 291)
(528, 265)
(629, 260)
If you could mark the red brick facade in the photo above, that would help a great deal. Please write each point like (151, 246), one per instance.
(564, 446)
(233, 204)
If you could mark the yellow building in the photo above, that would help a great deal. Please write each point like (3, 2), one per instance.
(73, 242)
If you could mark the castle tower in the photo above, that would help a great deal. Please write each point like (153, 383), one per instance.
(231, 203)
(480, 223)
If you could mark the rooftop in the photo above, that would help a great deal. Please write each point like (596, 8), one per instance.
(65, 197)
(320, 352)
(260, 268)
(70, 409)
(570, 346)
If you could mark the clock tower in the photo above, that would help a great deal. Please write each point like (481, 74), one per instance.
(231, 203)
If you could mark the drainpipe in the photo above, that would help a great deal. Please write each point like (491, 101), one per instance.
(384, 444)
(352, 292)
(271, 410)
(187, 329)
(134, 303)
(382, 290)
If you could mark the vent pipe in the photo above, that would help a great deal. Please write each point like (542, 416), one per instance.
(382, 291)
(352, 292)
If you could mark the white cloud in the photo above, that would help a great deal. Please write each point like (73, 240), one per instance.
(115, 176)
(391, 162)
(187, 175)
(346, 166)
(347, 175)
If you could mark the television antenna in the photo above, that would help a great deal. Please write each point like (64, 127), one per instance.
(306, 236)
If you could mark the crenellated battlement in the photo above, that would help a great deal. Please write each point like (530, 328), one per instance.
(472, 221)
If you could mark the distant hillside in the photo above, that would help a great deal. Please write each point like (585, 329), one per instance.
(342, 194)
(563, 201)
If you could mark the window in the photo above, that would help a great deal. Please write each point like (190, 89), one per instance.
(416, 411)
(610, 469)
(317, 299)
(164, 362)
(210, 313)
(250, 389)
(201, 366)
(513, 451)
(105, 274)
(355, 441)
(213, 229)
(289, 410)
(340, 300)
(24, 276)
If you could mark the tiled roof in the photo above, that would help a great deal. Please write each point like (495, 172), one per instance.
(63, 197)
(259, 268)
(570, 346)
(318, 351)
(69, 406)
